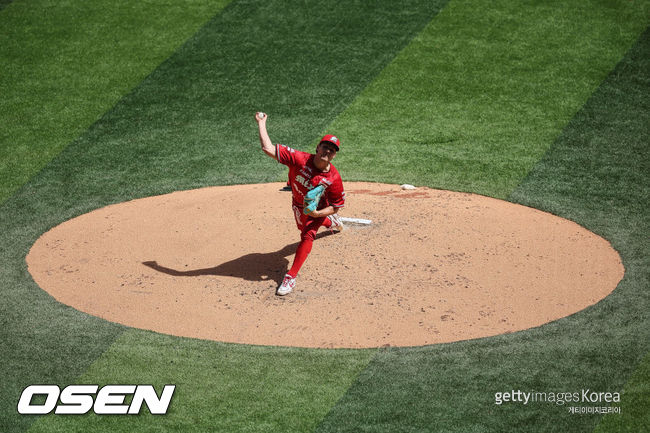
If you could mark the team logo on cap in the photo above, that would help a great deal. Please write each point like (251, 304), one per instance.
(334, 139)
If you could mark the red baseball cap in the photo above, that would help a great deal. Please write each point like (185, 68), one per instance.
(329, 138)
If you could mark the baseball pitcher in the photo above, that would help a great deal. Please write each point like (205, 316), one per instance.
(317, 192)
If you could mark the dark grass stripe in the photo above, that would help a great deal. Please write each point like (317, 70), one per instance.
(596, 173)
(189, 124)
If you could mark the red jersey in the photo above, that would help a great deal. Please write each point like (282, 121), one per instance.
(303, 176)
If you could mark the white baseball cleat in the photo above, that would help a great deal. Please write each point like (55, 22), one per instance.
(337, 224)
(287, 285)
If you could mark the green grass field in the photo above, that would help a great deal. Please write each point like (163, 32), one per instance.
(540, 103)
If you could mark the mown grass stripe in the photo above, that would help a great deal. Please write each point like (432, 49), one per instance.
(478, 97)
(596, 173)
(190, 124)
(65, 63)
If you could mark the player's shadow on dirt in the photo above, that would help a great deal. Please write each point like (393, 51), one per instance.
(251, 267)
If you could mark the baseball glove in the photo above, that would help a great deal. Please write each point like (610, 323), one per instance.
(312, 199)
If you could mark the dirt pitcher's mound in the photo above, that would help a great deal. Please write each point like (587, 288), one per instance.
(434, 267)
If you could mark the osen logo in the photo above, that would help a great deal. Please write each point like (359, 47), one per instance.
(80, 399)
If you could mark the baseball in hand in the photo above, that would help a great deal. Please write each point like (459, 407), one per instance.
(261, 115)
